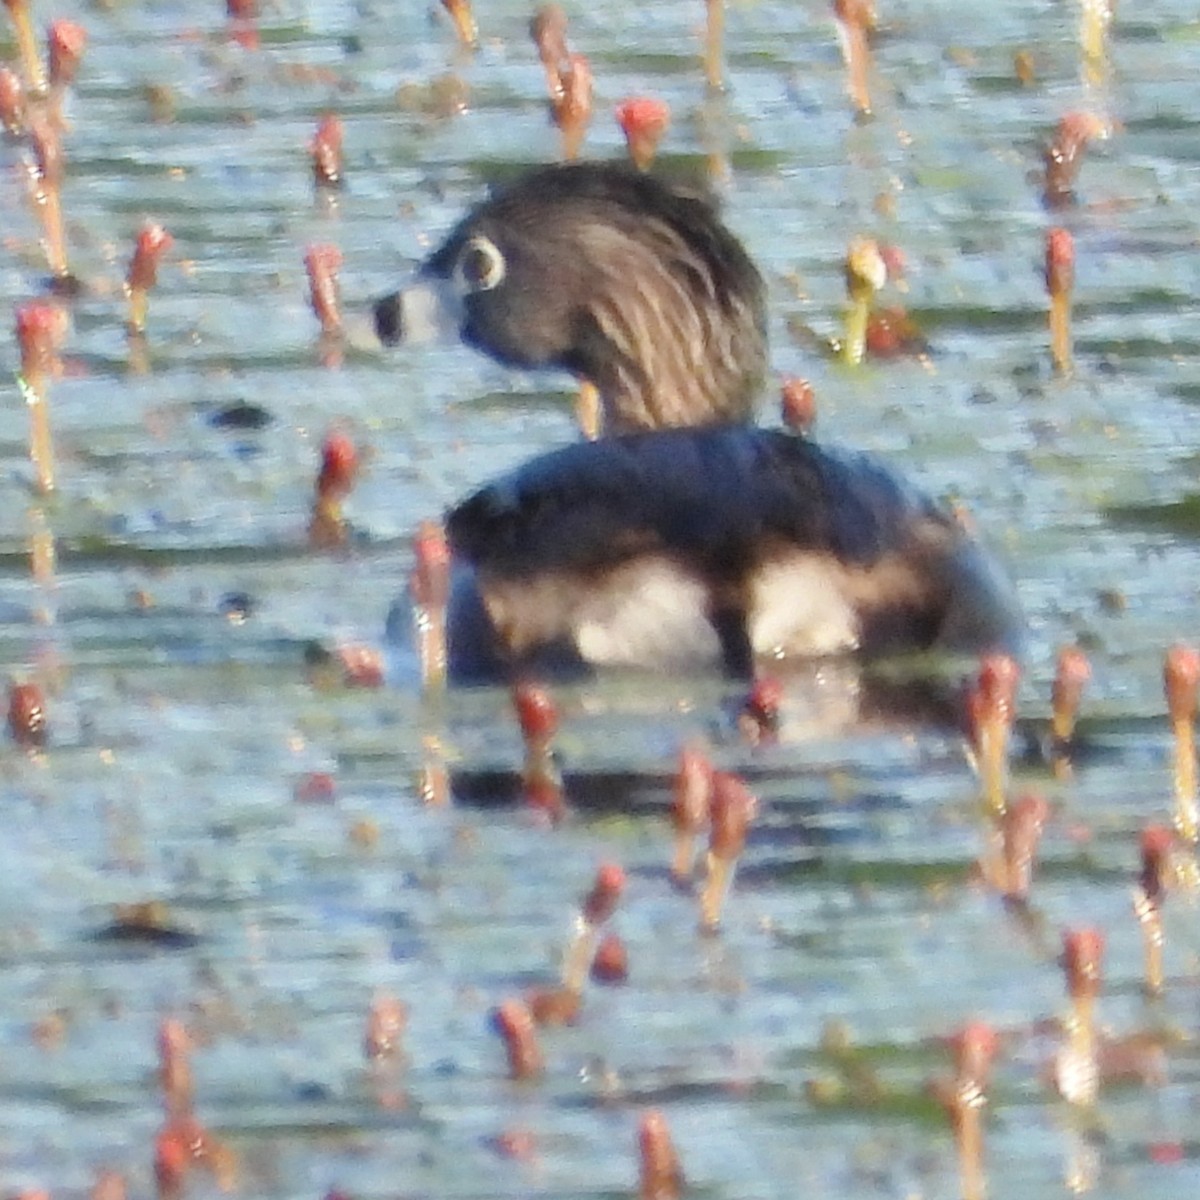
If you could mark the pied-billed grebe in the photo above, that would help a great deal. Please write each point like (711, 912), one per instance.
(715, 543)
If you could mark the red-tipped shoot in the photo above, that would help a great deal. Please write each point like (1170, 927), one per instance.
(1157, 850)
(1070, 678)
(992, 711)
(601, 902)
(514, 1023)
(67, 41)
(974, 1049)
(464, 22)
(798, 405)
(153, 241)
(1157, 845)
(596, 908)
(243, 22)
(733, 808)
(172, 1161)
(12, 102)
(1083, 962)
(27, 724)
(758, 720)
(335, 479)
(643, 121)
(537, 715)
(1021, 829)
(855, 24)
(325, 149)
(573, 109)
(610, 964)
(548, 29)
(39, 331)
(386, 1023)
(1062, 156)
(1077, 1069)
(322, 263)
(660, 1177)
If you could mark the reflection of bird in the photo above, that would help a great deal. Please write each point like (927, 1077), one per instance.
(719, 542)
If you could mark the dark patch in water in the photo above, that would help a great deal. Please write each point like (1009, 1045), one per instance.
(241, 414)
(1180, 517)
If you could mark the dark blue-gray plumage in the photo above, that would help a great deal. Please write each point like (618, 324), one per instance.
(696, 538)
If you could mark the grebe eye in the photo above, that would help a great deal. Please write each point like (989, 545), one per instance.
(480, 266)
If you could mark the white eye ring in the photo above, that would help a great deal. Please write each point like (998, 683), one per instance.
(479, 267)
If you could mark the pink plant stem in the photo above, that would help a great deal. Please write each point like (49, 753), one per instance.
(386, 1023)
(798, 404)
(1021, 832)
(42, 556)
(335, 480)
(733, 808)
(1060, 282)
(548, 29)
(1095, 19)
(325, 149)
(152, 242)
(596, 908)
(690, 807)
(27, 724)
(322, 263)
(660, 1176)
(994, 703)
(1181, 679)
(537, 715)
(714, 45)
(855, 19)
(974, 1049)
(1078, 1068)
(1071, 677)
(515, 1024)
(430, 588)
(464, 22)
(27, 47)
(66, 42)
(1157, 847)
(48, 177)
(434, 784)
(866, 273)
(12, 102)
(573, 111)
(38, 326)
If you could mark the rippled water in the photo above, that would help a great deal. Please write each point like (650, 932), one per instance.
(178, 735)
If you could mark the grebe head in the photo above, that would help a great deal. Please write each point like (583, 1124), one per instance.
(612, 275)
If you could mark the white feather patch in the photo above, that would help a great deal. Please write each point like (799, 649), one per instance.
(799, 606)
(648, 613)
